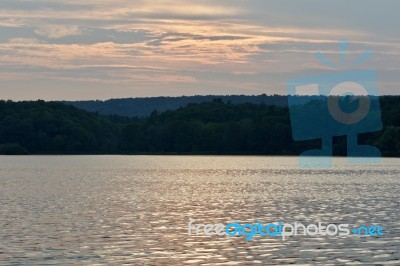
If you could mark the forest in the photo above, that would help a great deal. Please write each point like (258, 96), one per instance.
(141, 107)
(212, 127)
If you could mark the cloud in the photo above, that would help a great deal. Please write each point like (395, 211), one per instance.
(167, 46)
(58, 31)
(23, 41)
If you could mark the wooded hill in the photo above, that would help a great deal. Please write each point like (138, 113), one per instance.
(214, 127)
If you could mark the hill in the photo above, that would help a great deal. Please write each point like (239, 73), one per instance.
(141, 107)
(50, 127)
(212, 127)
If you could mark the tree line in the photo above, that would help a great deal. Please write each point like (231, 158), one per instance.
(141, 107)
(215, 127)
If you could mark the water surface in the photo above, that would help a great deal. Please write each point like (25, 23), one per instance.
(114, 210)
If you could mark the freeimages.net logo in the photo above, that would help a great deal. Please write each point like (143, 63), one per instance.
(342, 103)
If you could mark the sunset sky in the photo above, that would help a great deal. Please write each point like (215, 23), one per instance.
(101, 49)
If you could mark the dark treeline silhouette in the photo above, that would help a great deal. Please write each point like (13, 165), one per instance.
(215, 127)
(49, 127)
(141, 107)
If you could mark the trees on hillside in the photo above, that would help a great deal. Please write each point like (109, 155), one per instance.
(206, 128)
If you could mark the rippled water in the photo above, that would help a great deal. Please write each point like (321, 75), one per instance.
(113, 210)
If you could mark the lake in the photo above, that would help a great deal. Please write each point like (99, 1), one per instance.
(114, 210)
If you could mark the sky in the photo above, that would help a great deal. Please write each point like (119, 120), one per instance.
(102, 49)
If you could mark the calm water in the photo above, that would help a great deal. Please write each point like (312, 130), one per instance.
(113, 210)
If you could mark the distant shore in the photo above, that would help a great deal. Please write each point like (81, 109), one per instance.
(207, 128)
